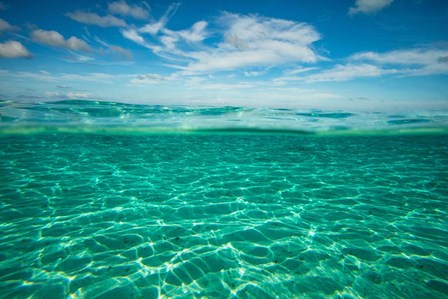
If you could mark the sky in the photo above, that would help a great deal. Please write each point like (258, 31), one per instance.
(332, 54)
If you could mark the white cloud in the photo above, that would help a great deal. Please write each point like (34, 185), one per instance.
(5, 26)
(348, 72)
(117, 50)
(94, 77)
(13, 49)
(196, 33)
(74, 57)
(78, 95)
(169, 38)
(369, 6)
(169, 41)
(224, 86)
(55, 39)
(224, 61)
(257, 41)
(124, 9)
(254, 73)
(191, 82)
(154, 27)
(246, 41)
(410, 62)
(326, 95)
(103, 78)
(94, 19)
(121, 52)
(291, 75)
(145, 79)
(173, 45)
(133, 35)
(152, 78)
(418, 61)
(299, 70)
(410, 57)
(69, 95)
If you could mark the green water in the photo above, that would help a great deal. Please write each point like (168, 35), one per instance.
(218, 215)
(112, 200)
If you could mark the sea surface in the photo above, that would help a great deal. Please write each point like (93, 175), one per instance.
(110, 200)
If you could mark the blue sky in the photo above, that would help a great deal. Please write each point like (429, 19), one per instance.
(358, 54)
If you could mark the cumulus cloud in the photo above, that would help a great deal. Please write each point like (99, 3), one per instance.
(55, 39)
(13, 49)
(94, 19)
(124, 9)
(368, 6)
(421, 61)
(5, 26)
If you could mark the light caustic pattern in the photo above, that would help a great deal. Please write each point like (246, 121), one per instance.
(223, 216)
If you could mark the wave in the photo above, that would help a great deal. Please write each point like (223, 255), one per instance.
(82, 116)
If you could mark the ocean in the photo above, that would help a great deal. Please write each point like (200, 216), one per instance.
(112, 200)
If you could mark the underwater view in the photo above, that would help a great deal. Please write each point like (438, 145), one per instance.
(111, 200)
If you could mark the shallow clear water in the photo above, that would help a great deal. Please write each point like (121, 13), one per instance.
(231, 213)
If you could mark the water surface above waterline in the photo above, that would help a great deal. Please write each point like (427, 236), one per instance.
(113, 117)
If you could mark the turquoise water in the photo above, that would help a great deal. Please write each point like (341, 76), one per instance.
(107, 200)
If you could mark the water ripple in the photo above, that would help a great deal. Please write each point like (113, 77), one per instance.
(237, 216)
